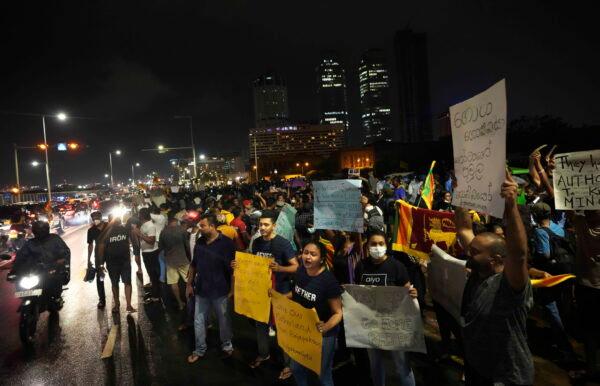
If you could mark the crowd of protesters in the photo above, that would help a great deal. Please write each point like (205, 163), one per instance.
(191, 239)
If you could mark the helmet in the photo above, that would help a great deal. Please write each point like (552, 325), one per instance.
(40, 229)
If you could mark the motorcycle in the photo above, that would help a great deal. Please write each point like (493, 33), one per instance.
(33, 288)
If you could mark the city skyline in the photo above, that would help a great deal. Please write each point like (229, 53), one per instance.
(134, 72)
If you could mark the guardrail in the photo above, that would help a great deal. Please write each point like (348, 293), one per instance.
(8, 198)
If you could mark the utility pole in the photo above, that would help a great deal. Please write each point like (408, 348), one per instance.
(255, 160)
(17, 172)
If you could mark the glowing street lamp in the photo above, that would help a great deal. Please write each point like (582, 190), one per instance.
(117, 152)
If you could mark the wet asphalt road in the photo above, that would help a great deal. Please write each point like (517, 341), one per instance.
(150, 351)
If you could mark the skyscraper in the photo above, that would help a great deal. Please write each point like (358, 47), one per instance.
(331, 90)
(270, 101)
(413, 86)
(375, 97)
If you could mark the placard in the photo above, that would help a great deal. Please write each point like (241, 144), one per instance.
(385, 318)
(446, 279)
(479, 143)
(576, 180)
(251, 286)
(337, 205)
(297, 332)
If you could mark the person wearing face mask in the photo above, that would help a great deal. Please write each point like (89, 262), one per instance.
(497, 299)
(93, 236)
(379, 269)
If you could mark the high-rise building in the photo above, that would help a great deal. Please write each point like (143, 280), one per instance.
(331, 90)
(270, 101)
(413, 87)
(375, 97)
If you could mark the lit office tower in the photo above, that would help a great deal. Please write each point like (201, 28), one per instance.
(331, 90)
(413, 86)
(375, 97)
(270, 101)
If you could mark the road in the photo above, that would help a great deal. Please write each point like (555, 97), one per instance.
(148, 349)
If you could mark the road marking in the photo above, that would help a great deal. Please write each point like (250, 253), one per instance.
(109, 347)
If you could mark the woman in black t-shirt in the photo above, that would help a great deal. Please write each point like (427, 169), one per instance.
(379, 269)
(316, 287)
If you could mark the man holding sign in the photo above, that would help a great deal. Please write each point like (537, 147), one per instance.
(497, 299)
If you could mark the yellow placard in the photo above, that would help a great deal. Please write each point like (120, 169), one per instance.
(251, 286)
(297, 332)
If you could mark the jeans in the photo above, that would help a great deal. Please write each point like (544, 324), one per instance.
(402, 367)
(262, 339)
(153, 269)
(558, 330)
(326, 379)
(221, 309)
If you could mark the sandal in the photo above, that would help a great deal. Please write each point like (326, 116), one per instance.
(286, 373)
(131, 310)
(193, 358)
(258, 362)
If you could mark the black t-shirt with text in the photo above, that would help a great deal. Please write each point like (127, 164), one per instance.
(279, 249)
(315, 292)
(116, 244)
(389, 273)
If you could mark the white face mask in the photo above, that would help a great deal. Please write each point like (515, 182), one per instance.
(377, 252)
(97, 222)
(311, 230)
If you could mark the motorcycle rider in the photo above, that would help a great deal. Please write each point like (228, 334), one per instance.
(50, 250)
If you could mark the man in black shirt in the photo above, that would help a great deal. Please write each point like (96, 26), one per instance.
(114, 251)
(93, 235)
(497, 299)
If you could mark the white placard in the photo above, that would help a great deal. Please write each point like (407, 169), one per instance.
(386, 318)
(479, 143)
(337, 205)
(446, 279)
(577, 180)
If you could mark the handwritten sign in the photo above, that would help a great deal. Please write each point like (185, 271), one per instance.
(385, 318)
(577, 180)
(446, 277)
(251, 286)
(297, 332)
(479, 143)
(337, 205)
(286, 223)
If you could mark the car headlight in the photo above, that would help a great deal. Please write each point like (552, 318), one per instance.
(28, 282)
(118, 211)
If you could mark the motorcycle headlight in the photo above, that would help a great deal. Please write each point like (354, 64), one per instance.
(28, 282)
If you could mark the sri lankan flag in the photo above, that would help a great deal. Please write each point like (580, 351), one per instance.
(551, 281)
(428, 187)
(330, 252)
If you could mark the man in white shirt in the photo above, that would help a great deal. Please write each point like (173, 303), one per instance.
(159, 218)
(149, 247)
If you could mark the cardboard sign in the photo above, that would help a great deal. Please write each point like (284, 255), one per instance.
(577, 180)
(337, 205)
(479, 143)
(297, 332)
(251, 286)
(446, 279)
(385, 318)
(286, 224)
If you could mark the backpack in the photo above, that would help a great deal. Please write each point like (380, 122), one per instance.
(375, 220)
(562, 255)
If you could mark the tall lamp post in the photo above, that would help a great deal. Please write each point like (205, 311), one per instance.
(133, 166)
(60, 117)
(191, 140)
(117, 152)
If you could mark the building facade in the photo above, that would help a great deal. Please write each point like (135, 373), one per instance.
(293, 149)
(375, 97)
(270, 101)
(331, 91)
(412, 69)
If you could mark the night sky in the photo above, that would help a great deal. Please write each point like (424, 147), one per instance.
(132, 65)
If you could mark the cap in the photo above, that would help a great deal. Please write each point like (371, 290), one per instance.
(246, 202)
(541, 209)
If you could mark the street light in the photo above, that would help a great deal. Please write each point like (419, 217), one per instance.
(191, 140)
(61, 116)
(137, 165)
(161, 147)
(202, 157)
(35, 163)
(117, 152)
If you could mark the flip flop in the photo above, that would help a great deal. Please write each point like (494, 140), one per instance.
(285, 374)
(258, 362)
(193, 358)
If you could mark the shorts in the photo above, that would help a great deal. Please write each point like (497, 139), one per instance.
(173, 273)
(122, 269)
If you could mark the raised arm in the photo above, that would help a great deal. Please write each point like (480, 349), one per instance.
(515, 262)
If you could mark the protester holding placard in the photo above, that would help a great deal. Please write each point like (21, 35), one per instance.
(497, 299)
(316, 287)
(381, 270)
